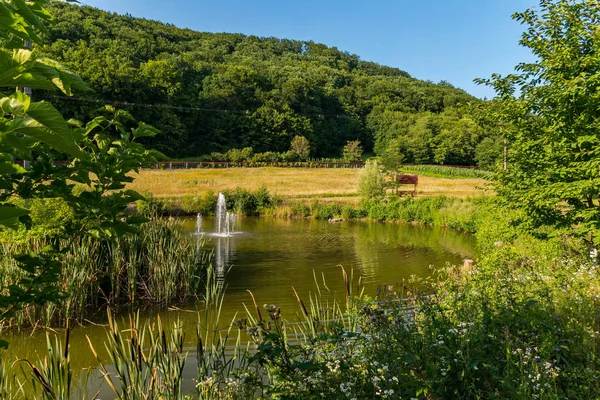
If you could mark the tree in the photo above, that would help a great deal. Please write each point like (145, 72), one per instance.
(301, 147)
(99, 156)
(214, 92)
(488, 153)
(370, 181)
(393, 156)
(352, 151)
(550, 108)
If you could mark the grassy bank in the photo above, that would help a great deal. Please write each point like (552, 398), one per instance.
(286, 183)
(455, 212)
(442, 171)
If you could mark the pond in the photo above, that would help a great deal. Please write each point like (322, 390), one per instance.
(270, 256)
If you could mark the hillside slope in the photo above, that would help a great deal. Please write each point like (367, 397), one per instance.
(212, 92)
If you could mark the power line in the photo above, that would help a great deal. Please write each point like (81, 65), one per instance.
(322, 113)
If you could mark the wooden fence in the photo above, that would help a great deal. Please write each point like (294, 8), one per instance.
(250, 164)
(278, 164)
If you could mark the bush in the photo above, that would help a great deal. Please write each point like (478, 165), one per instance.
(371, 184)
(300, 210)
(348, 212)
(352, 151)
(300, 146)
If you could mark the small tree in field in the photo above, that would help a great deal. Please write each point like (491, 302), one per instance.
(370, 182)
(352, 151)
(301, 146)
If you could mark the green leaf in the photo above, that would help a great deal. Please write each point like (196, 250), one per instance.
(133, 195)
(144, 130)
(9, 216)
(3, 344)
(47, 125)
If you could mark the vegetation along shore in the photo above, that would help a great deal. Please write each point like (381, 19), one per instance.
(108, 289)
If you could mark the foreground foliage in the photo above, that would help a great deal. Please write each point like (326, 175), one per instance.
(56, 153)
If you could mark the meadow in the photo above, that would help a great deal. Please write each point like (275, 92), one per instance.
(288, 183)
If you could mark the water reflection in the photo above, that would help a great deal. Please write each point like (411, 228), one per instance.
(269, 256)
(223, 250)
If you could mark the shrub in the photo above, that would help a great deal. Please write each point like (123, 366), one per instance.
(348, 212)
(300, 210)
(370, 184)
(352, 151)
(300, 146)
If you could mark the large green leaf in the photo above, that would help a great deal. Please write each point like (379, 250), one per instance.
(46, 124)
(62, 77)
(20, 67)
(11, 23)
(29, 15)
(9, 216)
(144, 130)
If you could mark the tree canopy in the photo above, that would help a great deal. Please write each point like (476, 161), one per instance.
(212, 92)
(549, 114)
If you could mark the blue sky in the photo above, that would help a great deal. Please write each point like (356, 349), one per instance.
(452, 40)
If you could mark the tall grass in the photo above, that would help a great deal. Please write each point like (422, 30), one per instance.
(158, 265)
(147, 360)
(457, 213)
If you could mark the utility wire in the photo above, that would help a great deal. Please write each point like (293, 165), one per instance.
(183, 108)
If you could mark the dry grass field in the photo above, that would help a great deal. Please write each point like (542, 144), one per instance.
(297, 183)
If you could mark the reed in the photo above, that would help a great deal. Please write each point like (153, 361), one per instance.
(147, 360)
(158, 265)
(11, 388)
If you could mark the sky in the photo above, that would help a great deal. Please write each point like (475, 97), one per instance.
(452, 40)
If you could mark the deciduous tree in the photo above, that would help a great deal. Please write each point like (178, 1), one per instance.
(550, 107)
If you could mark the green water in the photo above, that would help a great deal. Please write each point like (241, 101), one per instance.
(270, 256)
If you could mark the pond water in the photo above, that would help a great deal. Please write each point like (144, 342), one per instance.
(270, 256)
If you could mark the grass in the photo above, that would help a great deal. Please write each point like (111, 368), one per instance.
(294, 183)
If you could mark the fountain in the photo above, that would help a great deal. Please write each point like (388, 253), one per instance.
(199, 224)
(224, 221)
(222, 252)
(225, 227)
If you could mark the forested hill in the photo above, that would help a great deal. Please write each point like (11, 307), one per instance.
(211, 92)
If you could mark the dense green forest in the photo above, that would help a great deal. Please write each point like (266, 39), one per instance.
(212, 92)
